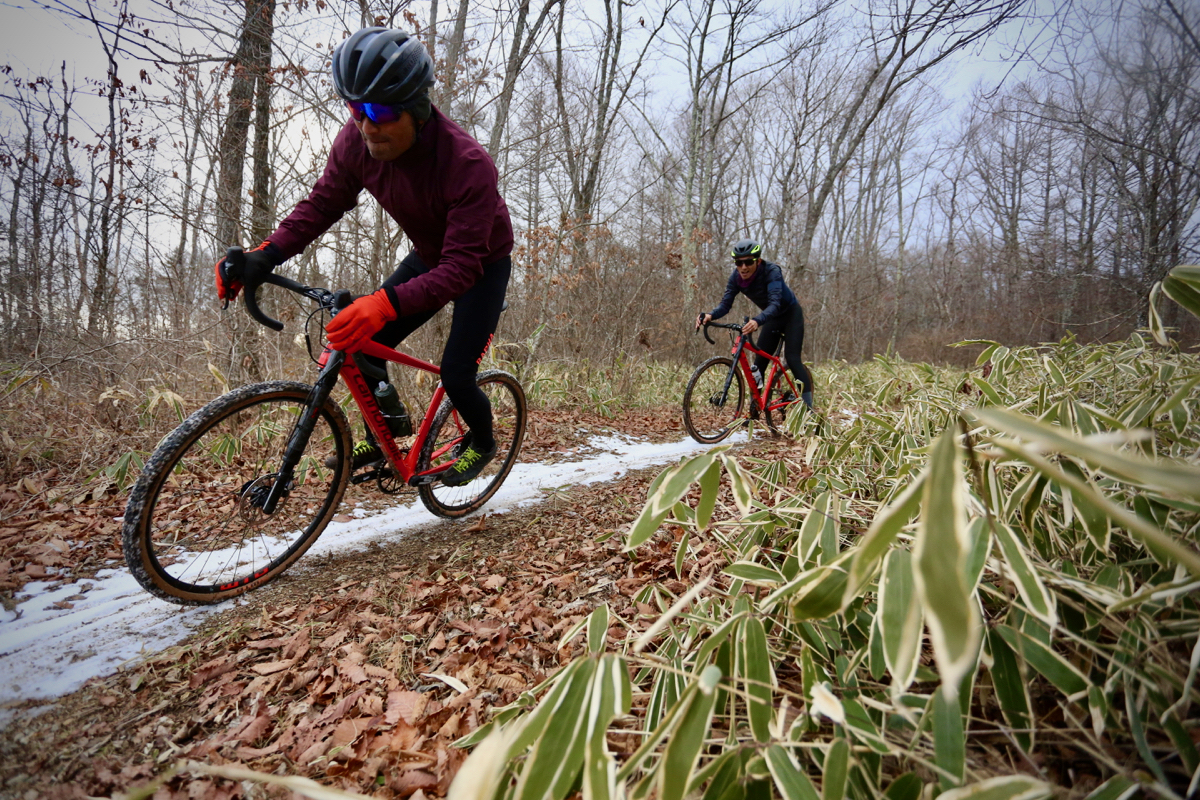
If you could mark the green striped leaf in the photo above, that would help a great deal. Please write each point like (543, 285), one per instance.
(1037, 599)
(611, 696)
(1050, 664)
(940, 558)
(907, 787)
(566, 686)
(557, 755)
(1012, 690)
(899, 619)
(1182, 285)
(950, 742)
(1008, 787)
(672, 485)
(1159, 543)
(756, 667)
(597, 628)
(1118, 788)
(710, 486)
(683, 748)
(884, 528)
(758, 574)
(741, 483)
(789, 779)
(836, 771)
(1182, 479)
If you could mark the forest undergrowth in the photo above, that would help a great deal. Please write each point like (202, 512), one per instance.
(954, 583)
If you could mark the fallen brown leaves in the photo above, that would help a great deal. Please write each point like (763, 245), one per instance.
(362, 673)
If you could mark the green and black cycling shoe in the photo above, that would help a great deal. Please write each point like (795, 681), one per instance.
(364, 454)
(468, 465)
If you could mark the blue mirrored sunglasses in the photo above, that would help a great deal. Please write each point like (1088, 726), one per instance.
(379, 113)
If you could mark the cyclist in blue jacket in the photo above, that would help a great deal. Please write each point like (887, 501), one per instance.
(781, 315)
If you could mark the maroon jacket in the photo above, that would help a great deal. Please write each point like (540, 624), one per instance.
(444, 194)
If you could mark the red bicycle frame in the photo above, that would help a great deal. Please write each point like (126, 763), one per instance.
(404, 462)
(738, 351)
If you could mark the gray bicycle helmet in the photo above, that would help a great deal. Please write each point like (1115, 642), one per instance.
(747, 248)
(380, 65)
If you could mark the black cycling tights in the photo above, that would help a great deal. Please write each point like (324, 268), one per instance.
(790, 325)
(476, 315)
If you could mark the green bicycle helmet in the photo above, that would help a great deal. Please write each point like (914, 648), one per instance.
(746, 248)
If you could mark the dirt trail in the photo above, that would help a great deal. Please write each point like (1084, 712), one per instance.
(327, 671)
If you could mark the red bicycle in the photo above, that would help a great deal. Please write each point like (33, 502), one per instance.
(723, 394)
(245, 485)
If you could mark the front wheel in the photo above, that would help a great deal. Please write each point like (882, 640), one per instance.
(710, 410)
(195, 527)
(507, 400)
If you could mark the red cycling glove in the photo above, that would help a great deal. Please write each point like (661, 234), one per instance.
(227, 288)
(257, 262)
(355, 324)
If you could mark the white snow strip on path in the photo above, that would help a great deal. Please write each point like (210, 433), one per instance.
(47, 652)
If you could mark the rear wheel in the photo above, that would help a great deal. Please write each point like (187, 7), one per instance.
(446, 433)
(710, 412)
(195, 530)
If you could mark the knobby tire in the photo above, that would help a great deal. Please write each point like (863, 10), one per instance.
(507, 399)
(706, 418)
(193, 533)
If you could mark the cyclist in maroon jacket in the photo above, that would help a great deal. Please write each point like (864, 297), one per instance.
(440, 185)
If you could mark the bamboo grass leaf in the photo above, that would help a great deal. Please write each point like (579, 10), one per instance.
(940, 558)
(1117, 788)
(1006, 787)
(950, 743)
(710, 485)
(1038, 600)
(1183, 286)
(597, 628)
(1181, 479)
(1154, 539)
(741, 484)
(557, 755)
(791, 782)
(1157, 329)
(1056, 669)
(670, 614)
(899, 619)
(753, 573)
(673, 485)
(906, 787)
(879, 537)
(1012, 690)
(683, 748)
(756, 667)
(837, 769)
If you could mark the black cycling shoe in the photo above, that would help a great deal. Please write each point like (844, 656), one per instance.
(788, 397)
(364, 454)
(468, 465)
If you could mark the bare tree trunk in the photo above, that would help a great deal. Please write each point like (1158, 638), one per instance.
(235, 134)
(522, 44)
(451, 68)
(261, 221)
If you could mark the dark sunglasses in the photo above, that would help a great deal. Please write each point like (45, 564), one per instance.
(379, 113)
(744, 262)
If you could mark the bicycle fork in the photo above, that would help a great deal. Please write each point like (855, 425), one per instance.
(302, 432)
